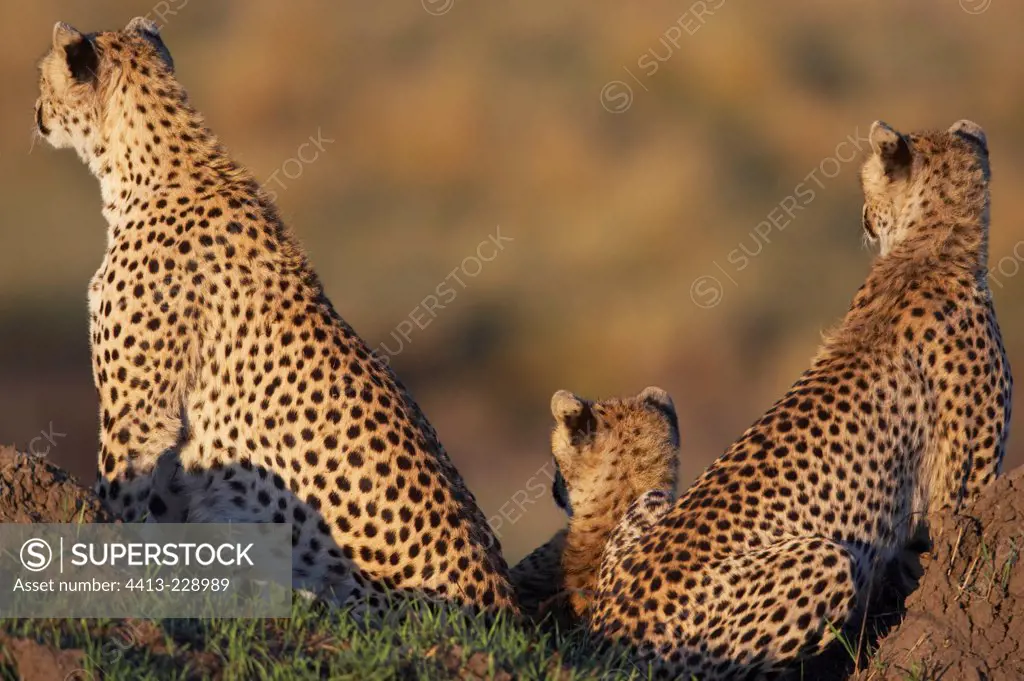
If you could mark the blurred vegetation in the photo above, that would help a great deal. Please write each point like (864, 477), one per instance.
(445, 127)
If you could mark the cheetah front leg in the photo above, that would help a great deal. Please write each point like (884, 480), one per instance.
(975, 375)
(137, 467)
(967, 457)
(144, 351)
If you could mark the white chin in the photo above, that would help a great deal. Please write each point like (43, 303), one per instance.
(56, 141)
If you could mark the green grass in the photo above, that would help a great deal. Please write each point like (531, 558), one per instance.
(425, 643)
(844, 640)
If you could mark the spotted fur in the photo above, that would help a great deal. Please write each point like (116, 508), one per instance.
(607, 455)
(229, 388)
(903, 412)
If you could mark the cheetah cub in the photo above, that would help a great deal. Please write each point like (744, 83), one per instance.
(607, 454)
(230, 389)
(904, 411)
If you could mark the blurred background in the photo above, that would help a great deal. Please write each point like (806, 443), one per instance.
(673, 187)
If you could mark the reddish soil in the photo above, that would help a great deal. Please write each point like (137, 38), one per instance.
(965, 621)
(32, 490)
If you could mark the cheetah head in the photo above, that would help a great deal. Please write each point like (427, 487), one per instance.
(81, 72)
(610, 452)
(911, 180)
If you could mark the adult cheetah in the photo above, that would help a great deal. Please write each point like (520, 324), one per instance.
(607, 454)
(904, 411)
(230, 389)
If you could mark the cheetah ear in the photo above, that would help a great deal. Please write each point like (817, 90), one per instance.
(892, 148)
(574, 412)
(657, 397)
(150, 30)
(971, 131)
(79, 52)
(662, 401)
(143, 25)
(64, 35)
(564, 405)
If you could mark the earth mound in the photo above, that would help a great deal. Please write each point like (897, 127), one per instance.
(32, 490)
(966, 618)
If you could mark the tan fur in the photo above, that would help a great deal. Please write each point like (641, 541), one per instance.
(230, 389)
(904, 411)
(609, 453)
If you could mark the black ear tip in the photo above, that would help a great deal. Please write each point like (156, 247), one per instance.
(970, 130)
(150, 30)
(657, 396)
(143, 25)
